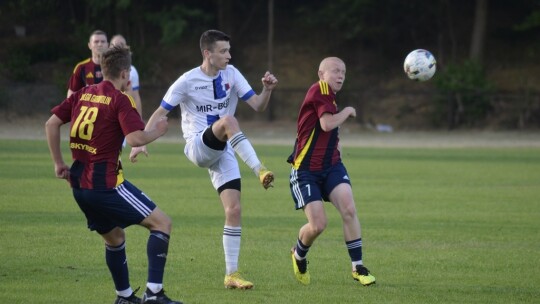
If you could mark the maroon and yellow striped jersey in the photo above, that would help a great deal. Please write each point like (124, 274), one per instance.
(314, 148)
(101, 116)
(84, 74)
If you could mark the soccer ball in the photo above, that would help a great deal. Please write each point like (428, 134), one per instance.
(420, 65)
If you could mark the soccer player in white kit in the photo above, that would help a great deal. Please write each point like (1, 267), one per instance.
(208, 96)
(133, 88)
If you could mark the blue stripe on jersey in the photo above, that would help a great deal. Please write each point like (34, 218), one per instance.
(210, 119)
(135, 88)
(166, 106)
(248, 95)
(219, 92)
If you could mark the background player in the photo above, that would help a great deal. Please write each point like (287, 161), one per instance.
(208, 96)
(318, 174)
(133, 88)
(100, 116)
(88, 71)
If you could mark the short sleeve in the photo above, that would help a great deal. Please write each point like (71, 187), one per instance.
(75, 82)
(322, 99)
(241, 85)
(63, 110)
(129, 118)
(175, 94)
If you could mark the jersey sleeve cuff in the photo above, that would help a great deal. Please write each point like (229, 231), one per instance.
(166, 106)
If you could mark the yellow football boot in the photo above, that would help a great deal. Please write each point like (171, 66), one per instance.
(362, 275)
(300, 269)
(235, 281)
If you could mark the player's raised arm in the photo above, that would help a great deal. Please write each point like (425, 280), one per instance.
(260, 102)
(331, 121)
(160, 115)
(141, 138)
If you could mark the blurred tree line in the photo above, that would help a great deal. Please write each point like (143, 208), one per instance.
(487, 50)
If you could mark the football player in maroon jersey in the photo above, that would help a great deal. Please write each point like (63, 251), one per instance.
(318, 175)
(100, 116)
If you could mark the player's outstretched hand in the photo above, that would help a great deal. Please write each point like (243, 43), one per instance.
(136, 151)
(269, 81)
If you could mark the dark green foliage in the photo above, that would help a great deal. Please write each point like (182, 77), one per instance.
(464, 95)
(371, 36)
(21, 56)
(17, 67)
(175, 21)
(531, 22)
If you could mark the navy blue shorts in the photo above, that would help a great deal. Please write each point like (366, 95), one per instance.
(121, 207)
(308, 186)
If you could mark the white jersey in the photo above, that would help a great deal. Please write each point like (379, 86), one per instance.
(134, 78)
(204, 99)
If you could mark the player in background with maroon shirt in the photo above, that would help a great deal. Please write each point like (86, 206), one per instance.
(318, 175)
(88, 71)
(100, 117)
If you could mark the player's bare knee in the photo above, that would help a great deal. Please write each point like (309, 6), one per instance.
(229, 120)
(158, 220)
(165, 225)
(233, 211)
(115, 237)
(230, 123)
(349, 212)
(318, 227)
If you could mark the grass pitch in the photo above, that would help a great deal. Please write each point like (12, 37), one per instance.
(439, 226)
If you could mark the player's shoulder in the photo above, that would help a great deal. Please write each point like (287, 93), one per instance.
(81, 63)
(231, 69)
(116, 97)
(124, 95)
(108, 89)
(232, 74)
(320, 88)
(194, 73)
(85, 61)
(323, 87)
(319, 91)
(134, 70)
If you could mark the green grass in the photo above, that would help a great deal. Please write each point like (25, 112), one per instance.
(439, 226)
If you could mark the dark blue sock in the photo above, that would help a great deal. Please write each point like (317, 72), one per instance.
(157, 248)
(355, 249)
(301, 249)
(117, 262)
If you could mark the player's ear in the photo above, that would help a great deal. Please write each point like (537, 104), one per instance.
(124, 74)
(206, 53)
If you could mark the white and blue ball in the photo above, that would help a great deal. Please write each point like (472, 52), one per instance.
(420, 65)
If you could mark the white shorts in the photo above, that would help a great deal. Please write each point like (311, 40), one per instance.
(222, 164)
